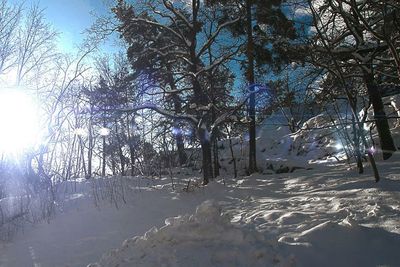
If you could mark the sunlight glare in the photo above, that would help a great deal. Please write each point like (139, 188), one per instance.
(339, 146)
(19, 122)
(81, 132)
(104, 131)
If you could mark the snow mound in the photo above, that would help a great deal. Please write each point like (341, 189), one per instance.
(206, 238)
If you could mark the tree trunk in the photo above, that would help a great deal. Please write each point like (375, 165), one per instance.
(382, 125)
(82, 151)
(232, 152)
(178, 109)
(120, 152)
(113, 166)
(69, 165)
(356, 140)
(132, 155)
(131, 142)
(206, 153)
(103, 169)
(181, 147)
(90, 148)
(200, 96)
(215, 158)
(252, 101)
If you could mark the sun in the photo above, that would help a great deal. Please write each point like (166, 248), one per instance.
(19, 122)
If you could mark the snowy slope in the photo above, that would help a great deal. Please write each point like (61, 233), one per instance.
(279, 150)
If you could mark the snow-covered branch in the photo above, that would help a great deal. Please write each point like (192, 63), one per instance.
(162, 111)
(217, 32)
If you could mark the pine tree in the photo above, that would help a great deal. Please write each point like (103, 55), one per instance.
(169, 49)
(266, 26)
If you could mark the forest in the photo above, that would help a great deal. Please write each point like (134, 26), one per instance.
(197, 95)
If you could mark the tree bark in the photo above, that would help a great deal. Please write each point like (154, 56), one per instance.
(215, 158)
(82, 151)
(178, 137)
(356, 140)
(252, 101)
(120, 152)
(90, 146)
(103, 166)
(178, 109)
(181, 147)
(205, 143)
(382, 125)
(132, 155)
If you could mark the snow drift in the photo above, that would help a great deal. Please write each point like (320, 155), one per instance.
(206, 238)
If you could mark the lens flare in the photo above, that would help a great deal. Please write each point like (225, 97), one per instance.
(372, 149)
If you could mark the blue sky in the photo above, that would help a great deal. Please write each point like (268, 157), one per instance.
(70, 18)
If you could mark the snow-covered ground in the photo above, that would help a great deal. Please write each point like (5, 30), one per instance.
(322, 214)
(327, 216)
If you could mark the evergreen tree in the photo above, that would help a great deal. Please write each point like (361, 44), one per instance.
(266, 29)
(168, 50)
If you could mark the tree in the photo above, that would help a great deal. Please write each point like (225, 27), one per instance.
(345, 44)
(9, 23)
(36, 43)
(165, 32)
(265, 23)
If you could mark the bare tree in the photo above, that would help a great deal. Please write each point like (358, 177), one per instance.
(35, 43)
(9, 23)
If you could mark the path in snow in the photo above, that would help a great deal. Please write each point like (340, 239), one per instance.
(83, 233)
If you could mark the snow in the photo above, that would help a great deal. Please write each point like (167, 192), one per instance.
(318, 141)
(326, 216)
(80, 224)
(203, 239)
(279, 150)
(318, 214)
